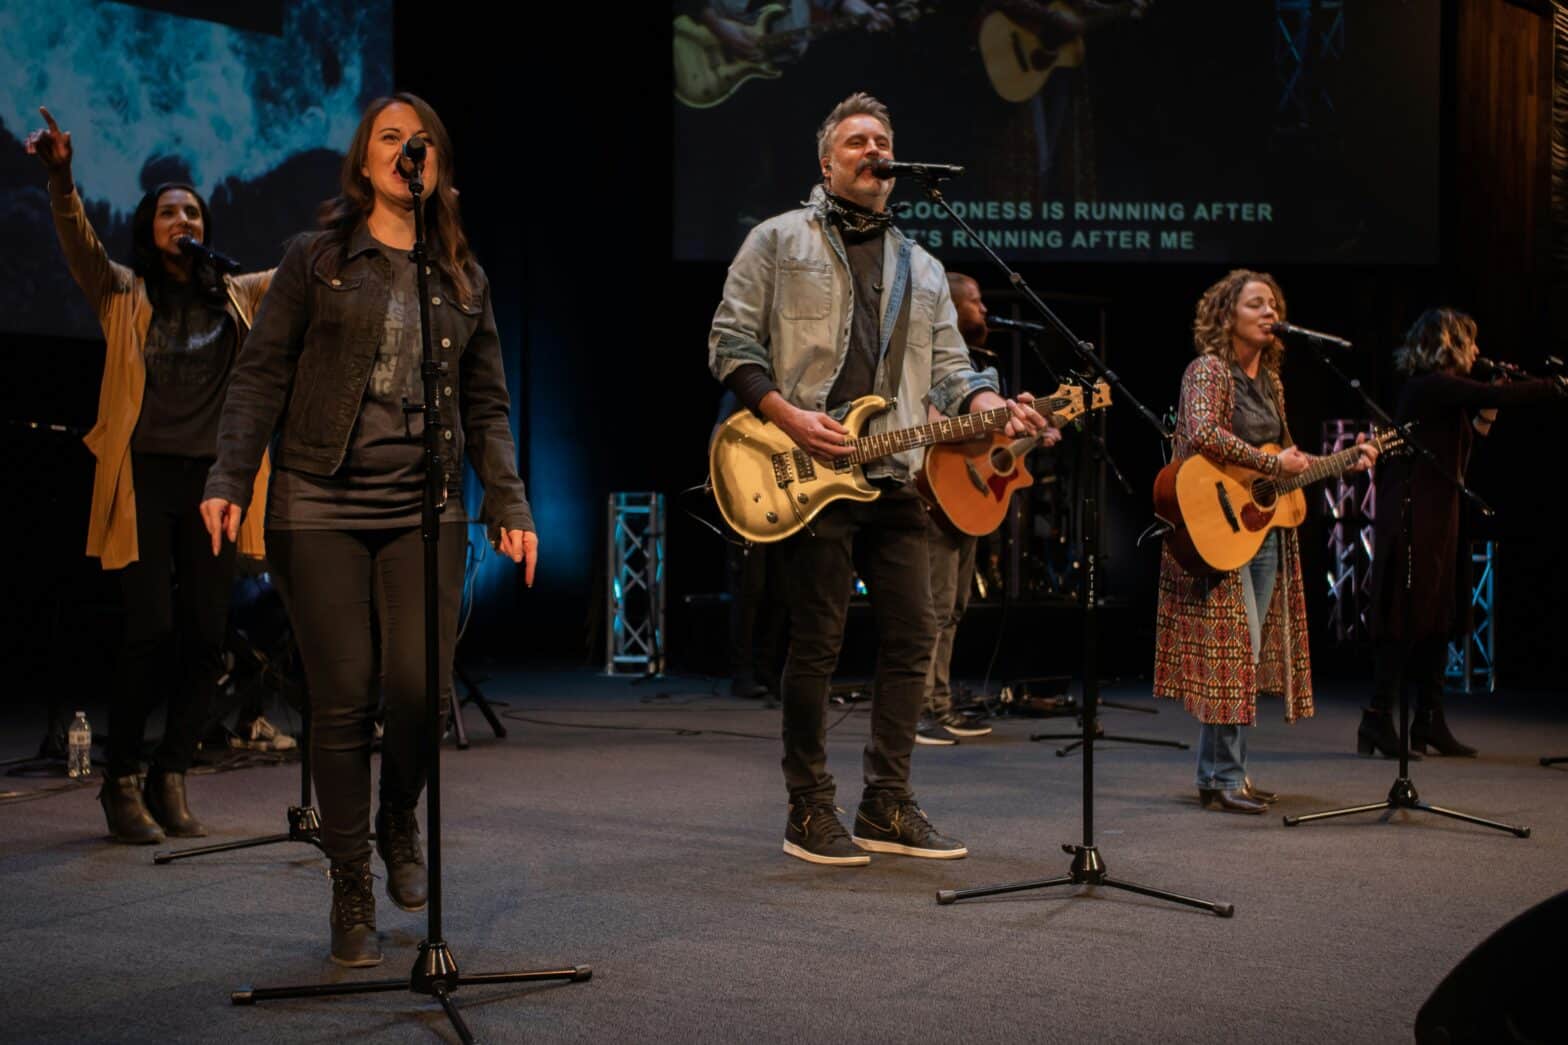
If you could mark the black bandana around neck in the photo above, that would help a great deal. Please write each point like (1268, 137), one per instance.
(853, 218)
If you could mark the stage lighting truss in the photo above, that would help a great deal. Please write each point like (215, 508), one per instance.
(1472, 662)
(1351, 500)
(1311, 35)
(634, 596)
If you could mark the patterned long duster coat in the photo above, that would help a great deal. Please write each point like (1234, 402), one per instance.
(1203, 653)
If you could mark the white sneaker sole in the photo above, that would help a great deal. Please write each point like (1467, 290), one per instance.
(966, 731)
(872, 845)
(816, 858)
(935, 741)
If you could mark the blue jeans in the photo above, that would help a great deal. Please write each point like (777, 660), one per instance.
(1222, 749)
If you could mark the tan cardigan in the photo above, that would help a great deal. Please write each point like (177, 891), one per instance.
(119, 297)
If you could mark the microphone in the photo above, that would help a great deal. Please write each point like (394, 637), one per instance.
(411, 158)
(886, 168)
(1327, 340)
(1021, 325)
(198, 251)
(1485, 367)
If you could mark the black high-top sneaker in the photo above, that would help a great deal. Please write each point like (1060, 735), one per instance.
(813, 833)
(884, 824)
(355, 944)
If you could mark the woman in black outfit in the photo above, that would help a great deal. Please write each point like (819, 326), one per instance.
(1412, 628)
(329, 368)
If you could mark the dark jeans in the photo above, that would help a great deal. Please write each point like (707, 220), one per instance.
(885, 542)
(1419, 663)
(356, 598)
(757, 616)
(176, 616)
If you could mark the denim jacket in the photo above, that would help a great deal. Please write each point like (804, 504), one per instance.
(788, 306)
(303, 371)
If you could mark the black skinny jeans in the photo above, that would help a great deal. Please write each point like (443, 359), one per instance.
(176, 617)
(356, 599)
(885, 541)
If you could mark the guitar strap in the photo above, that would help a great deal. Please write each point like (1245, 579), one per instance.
(900, 337)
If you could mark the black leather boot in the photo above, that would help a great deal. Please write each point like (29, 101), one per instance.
(129, 821)
(397, 840)
(1430, 729)
(355, 944)
(166, 802)
(1378, 734)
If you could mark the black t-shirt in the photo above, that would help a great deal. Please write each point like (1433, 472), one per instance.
(189, 355)
(858, 378)
(380, 484)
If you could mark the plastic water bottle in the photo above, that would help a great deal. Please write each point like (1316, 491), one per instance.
(79, 747)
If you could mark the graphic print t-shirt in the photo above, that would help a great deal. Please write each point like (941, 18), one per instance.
(189, 355)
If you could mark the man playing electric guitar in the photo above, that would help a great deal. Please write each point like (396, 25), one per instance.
(822, 306)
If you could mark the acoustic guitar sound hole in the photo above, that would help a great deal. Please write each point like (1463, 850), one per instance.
(1263, 493)
(1002, 460)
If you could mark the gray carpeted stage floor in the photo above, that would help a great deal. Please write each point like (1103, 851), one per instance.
(651, 852)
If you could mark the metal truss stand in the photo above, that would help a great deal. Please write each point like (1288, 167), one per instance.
(634, 595)
(1473, 659)
(1352, 504)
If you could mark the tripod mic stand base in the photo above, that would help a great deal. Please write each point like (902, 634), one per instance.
(1403, 796)
(304, 826)
(1087, 869)
(435, 974)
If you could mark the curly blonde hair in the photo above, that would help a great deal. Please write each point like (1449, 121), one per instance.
(1436, 341)
(1211, 325)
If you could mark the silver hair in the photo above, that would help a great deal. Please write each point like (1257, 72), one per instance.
(858, 104)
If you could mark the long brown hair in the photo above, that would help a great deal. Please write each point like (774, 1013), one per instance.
(343, 213)
(1211, 324)
(1436, 341)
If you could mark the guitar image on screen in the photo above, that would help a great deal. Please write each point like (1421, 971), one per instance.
(1019, 63)
(706, 73)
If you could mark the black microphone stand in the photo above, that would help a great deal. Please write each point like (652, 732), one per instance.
(1087, 867)
(1402, 795)
(435, 971)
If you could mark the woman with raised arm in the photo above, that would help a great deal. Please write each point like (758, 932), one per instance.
(327, 375)
(1411, 628)
(173, 329)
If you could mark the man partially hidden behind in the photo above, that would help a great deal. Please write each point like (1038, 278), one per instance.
(823, 305)
(952, 558)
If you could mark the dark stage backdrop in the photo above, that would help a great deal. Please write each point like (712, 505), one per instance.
(1168, 130)
(251, 106)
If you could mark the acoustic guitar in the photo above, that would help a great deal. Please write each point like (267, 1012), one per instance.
(1219, 514)
(1019, 64)
(969, 485)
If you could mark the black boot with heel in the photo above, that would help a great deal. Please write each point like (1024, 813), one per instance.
(1378, 734)
(1430, 729)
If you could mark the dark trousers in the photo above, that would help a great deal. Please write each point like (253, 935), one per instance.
(176, 616)
(356, 599)
(757, 616)
(1418, 663)
(885, 542)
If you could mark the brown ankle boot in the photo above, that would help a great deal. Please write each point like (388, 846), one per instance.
(355, 944)
(129, 822)
(166, 803)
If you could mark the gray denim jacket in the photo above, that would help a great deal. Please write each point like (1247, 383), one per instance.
(788, 305)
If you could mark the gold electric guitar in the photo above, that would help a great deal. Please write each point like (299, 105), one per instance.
(1019, 64)
(1219, 514)
(706, 74)
(969, 485)
(768, 488)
